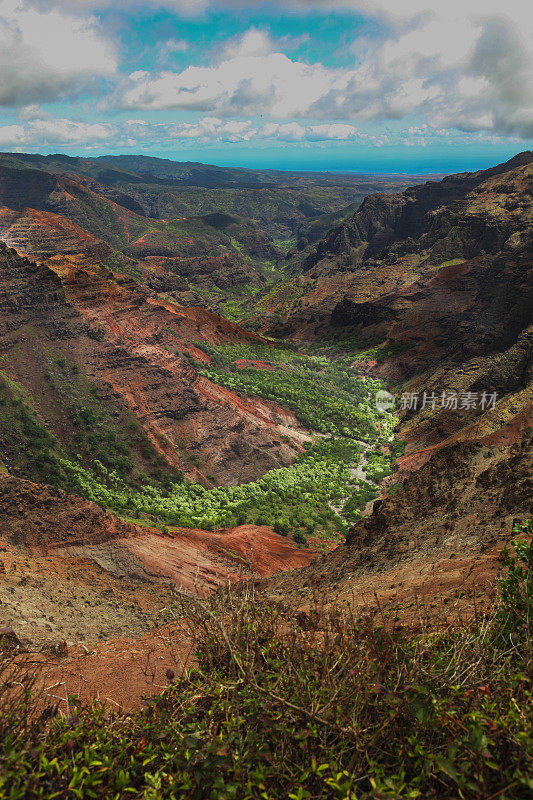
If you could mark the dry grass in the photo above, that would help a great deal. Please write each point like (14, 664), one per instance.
(320, 705)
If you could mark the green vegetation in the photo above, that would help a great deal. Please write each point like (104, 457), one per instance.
(317, 495)
(362, 494)
(378, 466)
(113, 445)
(281, 297)
(326, 395)
(25, 443)
(362, 349)
(106, 457)
(112, 441)
(298, 498)
(97, 435)
(516, 611)
(452, 263)
(351, 709)
(280, 210)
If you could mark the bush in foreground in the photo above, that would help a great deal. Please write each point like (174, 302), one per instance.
(307, 706)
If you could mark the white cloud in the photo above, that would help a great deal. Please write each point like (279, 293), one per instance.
(250, 78)
(166, 51)
(465, 64)
(47, 54)
(254, 42)
(288, 132)
(333, 131)
(211, 129)
(473, 73)
(396, 11)
(12, 135)
(186, 7)
(50, 132)
(37, 130)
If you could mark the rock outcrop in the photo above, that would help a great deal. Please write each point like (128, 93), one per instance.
(440, 277)
(438, 537)
(132, 347)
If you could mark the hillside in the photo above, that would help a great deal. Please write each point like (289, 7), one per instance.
(447, 308)
(111, 351)
(75, 572)
(202, 439)
(110, 380)
(208, 235)
(272, 583)
(442, 293)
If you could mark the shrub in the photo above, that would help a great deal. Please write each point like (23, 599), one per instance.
(515, 613)
(19, 697)
(299, 706)
(281, 527)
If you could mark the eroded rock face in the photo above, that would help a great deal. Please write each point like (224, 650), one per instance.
(465, 493)
(73, 571)
(29, 291)
(471, 293)
(385, 220)
(436, 539)
(75, 221)
(443, 272)
(131, 347)
(42, 235)
(37, 516)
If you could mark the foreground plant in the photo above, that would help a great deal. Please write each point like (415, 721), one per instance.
(318, 705)
(516, 611)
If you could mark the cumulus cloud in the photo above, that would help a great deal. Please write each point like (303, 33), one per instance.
(250, 77)
(468, 71)
(37, 129)
(464, 64)
(327, 132)
(211, 129)
(214, 129)
(45, 131)
(46, 54)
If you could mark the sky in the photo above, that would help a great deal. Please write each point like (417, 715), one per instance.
(349, 85)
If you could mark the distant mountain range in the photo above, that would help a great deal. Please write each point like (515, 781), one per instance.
(182, 227)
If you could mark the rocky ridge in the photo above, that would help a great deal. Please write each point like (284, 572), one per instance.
(131, 348)
(441, 277)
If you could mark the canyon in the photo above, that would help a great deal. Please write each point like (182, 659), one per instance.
(162, 331)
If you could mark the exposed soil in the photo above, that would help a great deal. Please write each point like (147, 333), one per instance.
(131, 346)
(73, 571)
(122, 673)
(436, 537)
